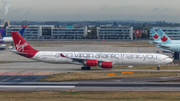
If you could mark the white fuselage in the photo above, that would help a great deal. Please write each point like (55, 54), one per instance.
(115, 58)
(7, 40)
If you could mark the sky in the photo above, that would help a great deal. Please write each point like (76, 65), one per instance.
(91, 10)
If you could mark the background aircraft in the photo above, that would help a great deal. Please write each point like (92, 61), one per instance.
(167, 43)
(157, 38)
(2, 32)
(88, 59)
(6, 40)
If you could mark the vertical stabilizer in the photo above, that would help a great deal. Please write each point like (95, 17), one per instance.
(20, 43)
(155, 35)
(1, 33)
(22, 47)
(22, 31)
(164, 38)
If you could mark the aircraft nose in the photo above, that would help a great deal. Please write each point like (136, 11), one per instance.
(171, 60)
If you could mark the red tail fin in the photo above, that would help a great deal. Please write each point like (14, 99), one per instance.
(22, 46)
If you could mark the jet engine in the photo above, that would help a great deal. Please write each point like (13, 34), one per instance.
(91, 62)
(106, 64)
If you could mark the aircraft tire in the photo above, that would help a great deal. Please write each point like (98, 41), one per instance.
(88, 68)
(83, 68)
(158, 68)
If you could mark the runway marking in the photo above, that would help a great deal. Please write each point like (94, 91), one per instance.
(12, 76)
(37, 86)
(70, 90)
(10, 73)
(127, 72)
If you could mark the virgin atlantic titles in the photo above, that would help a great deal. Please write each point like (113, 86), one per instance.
(87, 59)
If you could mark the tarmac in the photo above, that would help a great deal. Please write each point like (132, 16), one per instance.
(126, 84)
(18, 73)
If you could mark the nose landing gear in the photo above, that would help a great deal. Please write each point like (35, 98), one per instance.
(158, 68)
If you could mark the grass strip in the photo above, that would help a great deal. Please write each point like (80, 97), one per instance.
(88, 96)
(94, 75)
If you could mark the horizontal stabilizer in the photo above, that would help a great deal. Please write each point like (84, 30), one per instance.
(154, 42)
(163, 46)
(22, 53)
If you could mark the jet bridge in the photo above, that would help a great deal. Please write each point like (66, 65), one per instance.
(176, 55)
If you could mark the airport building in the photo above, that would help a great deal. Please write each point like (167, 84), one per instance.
(32, 31)
(3, 21)
(172, 32)
(69, 32)
(115, 32)
(49, 32)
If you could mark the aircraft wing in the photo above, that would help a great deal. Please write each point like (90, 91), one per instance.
(81, 60)
(15, 51)
(163, 46)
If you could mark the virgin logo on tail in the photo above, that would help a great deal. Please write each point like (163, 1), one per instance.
(20, 47)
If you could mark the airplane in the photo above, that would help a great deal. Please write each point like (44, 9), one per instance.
(167, 43)
(157, 39)
(5, 40)
(88, 59)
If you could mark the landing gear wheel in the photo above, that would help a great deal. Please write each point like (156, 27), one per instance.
(83, 68)
(88, 68)
(158, 68)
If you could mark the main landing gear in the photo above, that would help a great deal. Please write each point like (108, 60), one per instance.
(85, 68)
(158, 68)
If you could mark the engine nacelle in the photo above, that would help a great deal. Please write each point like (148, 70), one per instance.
(91, 62)
(106, 64)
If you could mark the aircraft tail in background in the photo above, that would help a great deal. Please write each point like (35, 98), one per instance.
(155, 35)
(157, 39)
(164, 38)
(22, 31)
(1, 33)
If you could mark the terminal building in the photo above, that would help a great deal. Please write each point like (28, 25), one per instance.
(172, 32)
(69, 32)
(115, 32)
(49, 32)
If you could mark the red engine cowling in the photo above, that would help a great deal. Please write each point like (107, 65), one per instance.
(91, 62)
(106, 64)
